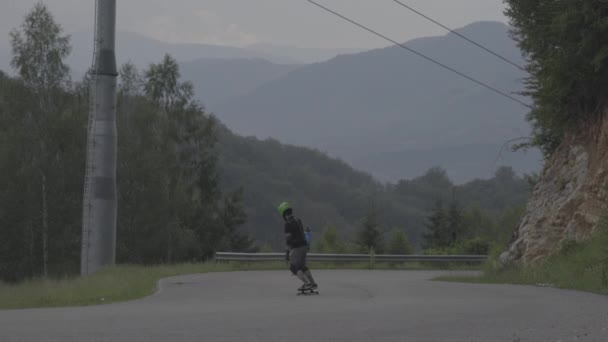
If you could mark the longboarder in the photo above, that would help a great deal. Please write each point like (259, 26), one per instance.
(297, 248)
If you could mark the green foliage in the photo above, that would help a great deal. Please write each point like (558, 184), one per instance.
(498, 229)
(232, 216)
(173, 208)
(469, 231)
(370, 237)
(41, 154)
(455, 222)
(580, 265)
(323, 191)
(39, 51)
(478, 222)
(479, 203)
(131, 82)
(163, 86)
(398, 244)
(330, 242)
(474, 246)
(565, 43)
(493, 195)
(438, 235)
(426, 188)
(506, 225)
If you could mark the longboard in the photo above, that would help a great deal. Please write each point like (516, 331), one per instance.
(307, 292)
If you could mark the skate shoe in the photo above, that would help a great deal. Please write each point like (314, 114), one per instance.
(304, 287)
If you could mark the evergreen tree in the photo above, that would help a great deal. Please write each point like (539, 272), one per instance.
(437, 235)
(232, 217)
(369, 237)
(399, 244)
(455, 227)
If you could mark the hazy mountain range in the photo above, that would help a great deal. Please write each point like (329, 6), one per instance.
(385, 111)
(393, 114)
(298, 54)
(218, 81)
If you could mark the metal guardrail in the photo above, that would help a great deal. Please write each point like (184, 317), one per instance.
(251, 257)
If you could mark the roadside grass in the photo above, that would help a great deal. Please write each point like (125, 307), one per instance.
(129, 282)
(578, 265)
(115, 284)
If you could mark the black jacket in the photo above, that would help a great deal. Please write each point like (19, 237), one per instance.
(294, 233)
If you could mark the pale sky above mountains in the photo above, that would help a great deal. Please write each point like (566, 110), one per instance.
(278, 22)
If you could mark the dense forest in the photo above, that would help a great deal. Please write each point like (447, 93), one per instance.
(189, 187)
(327, 193)
(564, 43)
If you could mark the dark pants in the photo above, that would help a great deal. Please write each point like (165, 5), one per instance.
(297, 259)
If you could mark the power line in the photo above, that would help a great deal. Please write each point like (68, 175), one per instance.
(461, 36)
(421, 55)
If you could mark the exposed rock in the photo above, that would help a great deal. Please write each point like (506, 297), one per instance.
(568, 201)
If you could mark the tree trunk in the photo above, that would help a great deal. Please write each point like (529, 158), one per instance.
(45, 229)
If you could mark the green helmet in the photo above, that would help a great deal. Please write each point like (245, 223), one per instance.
(284, 207)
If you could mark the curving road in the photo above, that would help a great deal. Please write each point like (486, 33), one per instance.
(353, 306)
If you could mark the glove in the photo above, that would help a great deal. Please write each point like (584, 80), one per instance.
(287, 255)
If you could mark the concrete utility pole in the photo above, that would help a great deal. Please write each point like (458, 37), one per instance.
(99, 207)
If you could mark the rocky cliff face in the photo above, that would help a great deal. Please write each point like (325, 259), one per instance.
(568, 201)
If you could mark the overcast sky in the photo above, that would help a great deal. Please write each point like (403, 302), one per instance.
(279, 22)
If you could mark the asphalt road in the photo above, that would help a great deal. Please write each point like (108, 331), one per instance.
(372, 306)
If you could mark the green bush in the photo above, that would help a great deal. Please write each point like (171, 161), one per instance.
(399, 244)
(581, 265)
(475, 246)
